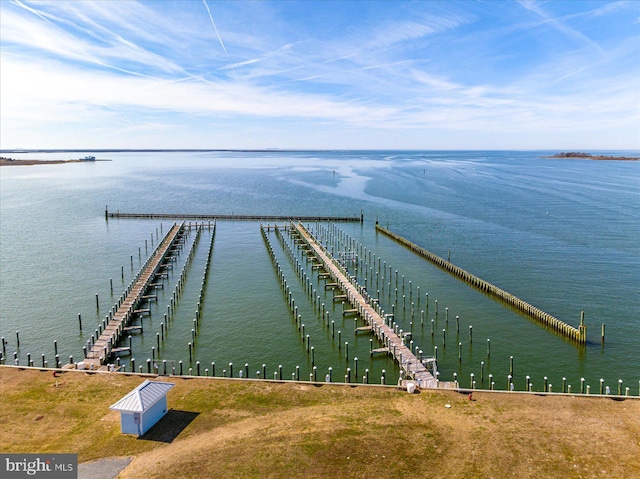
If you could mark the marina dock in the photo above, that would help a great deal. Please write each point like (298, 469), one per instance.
(369, 310)
(105, 345)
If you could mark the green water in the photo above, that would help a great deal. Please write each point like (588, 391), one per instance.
(561, 235)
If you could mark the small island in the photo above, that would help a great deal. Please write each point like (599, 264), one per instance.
(4, 161)
(589, 156)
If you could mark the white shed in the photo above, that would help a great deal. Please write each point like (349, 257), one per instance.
(143, 407)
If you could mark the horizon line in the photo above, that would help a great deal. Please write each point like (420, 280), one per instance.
(276, 150)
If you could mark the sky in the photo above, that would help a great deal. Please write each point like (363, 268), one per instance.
(430, 74)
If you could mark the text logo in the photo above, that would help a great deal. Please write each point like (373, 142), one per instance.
(49, 466)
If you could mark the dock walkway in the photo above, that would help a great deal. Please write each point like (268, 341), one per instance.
(105, 345)
(370, 311)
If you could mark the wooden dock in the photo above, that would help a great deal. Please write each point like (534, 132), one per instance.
(577, 335)
(369, 310)
(105, 345)
(212, 217)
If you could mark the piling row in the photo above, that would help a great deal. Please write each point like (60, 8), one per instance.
(307, 282)
(306, 339)
(231, 217)
(547, 387)
(196, 321)
(578, 335)
(305, 279)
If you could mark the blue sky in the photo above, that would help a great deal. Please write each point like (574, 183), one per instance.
(320, 75)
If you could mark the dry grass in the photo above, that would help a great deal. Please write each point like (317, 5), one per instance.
(251, 429)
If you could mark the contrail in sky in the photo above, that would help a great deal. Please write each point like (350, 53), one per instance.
(214, 25)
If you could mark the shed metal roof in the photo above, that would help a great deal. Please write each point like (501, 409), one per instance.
(143, 397)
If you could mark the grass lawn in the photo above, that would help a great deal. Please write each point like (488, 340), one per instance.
(242, 428)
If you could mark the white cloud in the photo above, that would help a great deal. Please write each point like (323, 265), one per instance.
(112, 69)
(48, 39)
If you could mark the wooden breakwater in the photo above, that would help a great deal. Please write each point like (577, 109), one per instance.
(233, 217)
(572, 333)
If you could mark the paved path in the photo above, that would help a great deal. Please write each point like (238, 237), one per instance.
(107, 468)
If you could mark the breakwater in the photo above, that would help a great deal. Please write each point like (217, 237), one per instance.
(233, 217)
(577, 335)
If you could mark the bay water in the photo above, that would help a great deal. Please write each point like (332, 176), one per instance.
(561, 234)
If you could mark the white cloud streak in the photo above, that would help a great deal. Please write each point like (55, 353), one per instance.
(51, 39)
(559, 25)
(214, 26)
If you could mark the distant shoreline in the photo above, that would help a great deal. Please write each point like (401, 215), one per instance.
(8, 162)
(19, 162)
(171, 150)
(589, 156)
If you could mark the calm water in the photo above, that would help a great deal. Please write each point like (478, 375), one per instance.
(560, 234)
